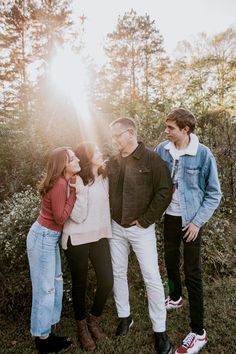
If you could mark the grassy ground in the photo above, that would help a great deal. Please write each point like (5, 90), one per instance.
(220, 313)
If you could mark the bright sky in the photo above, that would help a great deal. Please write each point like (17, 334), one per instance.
(176, 19)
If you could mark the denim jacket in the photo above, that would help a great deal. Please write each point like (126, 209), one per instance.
(198, 185)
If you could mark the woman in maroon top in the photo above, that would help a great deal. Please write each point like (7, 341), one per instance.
(58, 197)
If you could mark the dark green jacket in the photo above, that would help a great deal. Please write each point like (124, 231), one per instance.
(147, 187)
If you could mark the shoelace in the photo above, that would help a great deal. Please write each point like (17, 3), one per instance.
(188, 340)
(167, 300)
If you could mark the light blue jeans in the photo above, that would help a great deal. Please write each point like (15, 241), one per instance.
(46, 277)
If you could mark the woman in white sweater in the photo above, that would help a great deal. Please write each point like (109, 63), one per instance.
(85, 236)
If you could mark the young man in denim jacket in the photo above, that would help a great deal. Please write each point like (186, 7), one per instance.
(196, 195)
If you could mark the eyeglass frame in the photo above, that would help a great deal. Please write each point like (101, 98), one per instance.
(117, 136)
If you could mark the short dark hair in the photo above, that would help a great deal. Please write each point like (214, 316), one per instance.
(183, 118)
(126, 122)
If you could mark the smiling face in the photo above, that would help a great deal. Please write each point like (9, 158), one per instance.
(174, 133)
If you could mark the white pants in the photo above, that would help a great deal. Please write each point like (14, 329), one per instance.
(143, 242)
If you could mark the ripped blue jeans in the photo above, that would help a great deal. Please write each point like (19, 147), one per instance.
(46, 277)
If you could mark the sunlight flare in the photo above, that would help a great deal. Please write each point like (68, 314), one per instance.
(69, 74)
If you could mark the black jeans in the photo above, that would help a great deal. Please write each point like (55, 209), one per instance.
(173, 235)
(78, 256)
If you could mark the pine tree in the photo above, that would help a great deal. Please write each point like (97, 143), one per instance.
(30, 33)
(136, 56)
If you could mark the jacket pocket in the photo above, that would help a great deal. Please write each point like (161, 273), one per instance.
(192, 177)
(142, 175)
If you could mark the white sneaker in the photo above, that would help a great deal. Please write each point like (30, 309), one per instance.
(192, 344)
(171, 304)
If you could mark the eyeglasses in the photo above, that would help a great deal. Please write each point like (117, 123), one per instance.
(117, 136)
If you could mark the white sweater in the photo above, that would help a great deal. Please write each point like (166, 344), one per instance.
(90, 218)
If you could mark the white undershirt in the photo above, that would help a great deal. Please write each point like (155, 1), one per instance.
(174, 206)
(191, 150)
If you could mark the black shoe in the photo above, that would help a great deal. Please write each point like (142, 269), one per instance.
(52, 344)
(59, 338)
(162, 343)
(124, 326)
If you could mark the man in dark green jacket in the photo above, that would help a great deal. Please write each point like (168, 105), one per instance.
(140, 191)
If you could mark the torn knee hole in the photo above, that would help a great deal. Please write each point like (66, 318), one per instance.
(50, 291)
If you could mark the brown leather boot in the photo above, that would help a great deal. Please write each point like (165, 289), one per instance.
(95, 329)
(84, 336)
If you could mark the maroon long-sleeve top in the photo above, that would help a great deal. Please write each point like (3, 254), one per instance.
(56, 208)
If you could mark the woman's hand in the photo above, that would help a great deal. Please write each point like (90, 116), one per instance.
(79, 184)
(72, 182)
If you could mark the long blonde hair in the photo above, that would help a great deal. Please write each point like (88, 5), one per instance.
(56, 168)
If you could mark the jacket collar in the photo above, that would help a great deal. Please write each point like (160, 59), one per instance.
(191, 149)
(137, 153)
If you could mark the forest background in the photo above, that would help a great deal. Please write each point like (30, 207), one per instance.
(52, 94)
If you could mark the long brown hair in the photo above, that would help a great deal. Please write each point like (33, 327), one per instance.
(85, 152)
(56, 167)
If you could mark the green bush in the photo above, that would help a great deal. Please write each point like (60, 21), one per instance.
(21, 210)
(219, 246)
(17, 215)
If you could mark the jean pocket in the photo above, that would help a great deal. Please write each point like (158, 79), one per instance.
(50, 240)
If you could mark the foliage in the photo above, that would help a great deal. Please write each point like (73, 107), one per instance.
(133, 81)
(203, 75)
(17, 215)
(141, 81)
(34, 117)
(201, 78)
(21, 210)
(223, 145)
(219, 247)
(23, 159)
